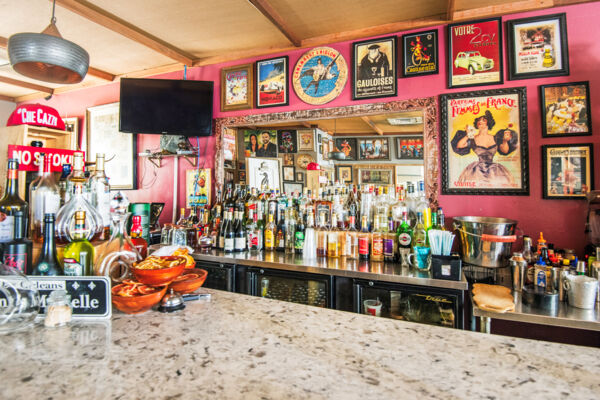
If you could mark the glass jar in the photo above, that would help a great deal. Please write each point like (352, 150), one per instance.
(166, 234)
(19, 300)
(58, 309)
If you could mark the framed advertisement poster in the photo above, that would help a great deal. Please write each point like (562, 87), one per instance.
(306, 139)
(197, 187)
(374, 68)
(566, 109)
(537, 47)
(475, 53)
(346, 146)
(263, 173)
(272, 87)
(420, 53)
(320, 75)
(484, 142)
(373, 149)
(287, 141)
(568, 170)
(409, 148)
(236, 87)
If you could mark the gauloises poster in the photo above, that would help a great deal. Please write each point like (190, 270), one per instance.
(475, 53)
(374, 66)
(485, 141)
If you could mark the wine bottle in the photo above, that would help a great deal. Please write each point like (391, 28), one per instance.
(47, 263)
(78, 256)
(239, 244)
(18, 252)
(10, 203)
(229, 233)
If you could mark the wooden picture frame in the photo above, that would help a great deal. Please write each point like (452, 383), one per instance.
(343, 173)
(376, 175)
(237, 87)
(287, 159)
(299, 176)
(293, 187)
(410, 147)
(537, 47)
(567, 170)
(374, 67)
(306, 139)
(272, 82)
(288, 174)
(376, 148)
(348, 146)
(420, 53)
(566, 109)
(492, 120)
(119, 149)
(474, 53)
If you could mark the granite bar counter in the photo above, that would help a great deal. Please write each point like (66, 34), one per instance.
(242, 347)
(379, 271)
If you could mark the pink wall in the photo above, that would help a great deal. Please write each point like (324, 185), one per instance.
(562, 221)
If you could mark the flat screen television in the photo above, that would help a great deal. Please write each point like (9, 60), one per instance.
(166, 106)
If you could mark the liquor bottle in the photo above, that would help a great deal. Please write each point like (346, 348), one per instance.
(323, 208)
(321, 233)
(45, 199)
(222, 229)
(64, 218)
(78, 256)
(270, 232)
(333, 243)
(309, 251)
(389, 242)
(136, 236)
(351, 234)
(205, 242)
(47, 263)
(255, 235)
(77, 176)
(62, 183)
(214, 232)
(100, 195)
(364, 239)
(290, 228)
(441, 219)
(351, 205)
(18, 252)
(31, 177)
(10, 203)
(239, 244)
(280, 233)
(404, 233)
(419, 234)
(229, 245)
(182, 221)
(216, 211)
(377, 242)
(300, 234)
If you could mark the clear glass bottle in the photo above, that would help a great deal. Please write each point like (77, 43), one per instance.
(419, 233)
(23, 296)
(77, 175)
(78, 256)
(333, 242)
(377, 242)
(322, 236)
(309, 251)
(100, 194)
(45, 199)
(270, 232)
(119, 254)
(65, 219)
(62, 184)
(351, 234)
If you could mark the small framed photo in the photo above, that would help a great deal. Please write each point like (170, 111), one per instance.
(346, 146)
(306, 140)
(343, 173)
(242, 176)
(374, 68)
(267, 143)
(289, 174)
(287, 141)
(299, 176)
(236, 87)
(475, 53)
(420, 53)
(537, 47)
(568, 170)
(566, 109)
(376, 176)
(374, 149)
(320, 149)
(325, 149)
(290, 188)
(409, 148)
(263, 173)
(288, 160)
(272, 82)
(319, 138)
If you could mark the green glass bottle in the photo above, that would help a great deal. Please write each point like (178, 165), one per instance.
(419, 235)
(79, 254)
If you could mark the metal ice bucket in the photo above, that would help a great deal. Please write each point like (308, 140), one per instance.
(485, 241)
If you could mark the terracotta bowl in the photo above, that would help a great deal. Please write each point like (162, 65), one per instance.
(157, 277)
(184, 285)
(137, 304)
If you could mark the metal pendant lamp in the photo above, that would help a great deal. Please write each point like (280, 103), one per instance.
(47, 56)
(336, 154)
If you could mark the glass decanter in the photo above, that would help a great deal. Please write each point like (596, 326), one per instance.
(119, 254)
(65, 219)
(19, 300)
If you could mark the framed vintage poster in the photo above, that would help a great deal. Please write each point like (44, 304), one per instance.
(236, 87)
(263, 173)
(568, 170)
(420, 53)
(566, 109)
(267, 143)
(287, 141)
(241, 176)
(377, 148)
(120, 149)
(272, 87)
(229, 148)
(376, 176)
(320, 75)
(289, 174)
(346, 146)
(343, 173)
(484, 142)
(409, 148)
(197, 187)
(475, 53)
(306, 140)
(537, 47)
(287, 159)
(374, 68)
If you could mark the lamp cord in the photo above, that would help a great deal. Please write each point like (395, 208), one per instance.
(53, 19)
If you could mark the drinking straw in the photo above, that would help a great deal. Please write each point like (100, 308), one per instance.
(440, 242)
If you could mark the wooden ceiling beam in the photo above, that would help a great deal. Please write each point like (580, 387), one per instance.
(7, 98)
(450, 12)
(27, 85)
(372, 125)
(3, 42)
(502, 9)
(101, 74)
(266, 9)
(124, 28)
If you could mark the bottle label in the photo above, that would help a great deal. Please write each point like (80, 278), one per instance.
(240, 243)
(377, 247)
(404, 239)
(363, 246)
(43, 268)
(229, 244)
(221, 242)
(299, 240)
(388, 247)
(7, 228)
(269, 239)
(72, 267)
(253, 241)
(16, 260)
(540, 277)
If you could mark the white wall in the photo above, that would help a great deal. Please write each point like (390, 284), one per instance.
(6, 108)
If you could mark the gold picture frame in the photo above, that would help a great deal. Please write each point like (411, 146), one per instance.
(237, 87)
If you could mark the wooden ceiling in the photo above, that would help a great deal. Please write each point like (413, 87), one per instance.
(138, 38)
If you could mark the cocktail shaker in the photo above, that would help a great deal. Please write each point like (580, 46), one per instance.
(519, 271)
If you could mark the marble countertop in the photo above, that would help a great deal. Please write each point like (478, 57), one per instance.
(237, 346)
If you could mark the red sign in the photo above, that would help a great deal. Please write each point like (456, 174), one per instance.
(38, 115)
(28, 157)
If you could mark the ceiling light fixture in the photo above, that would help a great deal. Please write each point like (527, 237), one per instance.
(47, 56)
(335, 154)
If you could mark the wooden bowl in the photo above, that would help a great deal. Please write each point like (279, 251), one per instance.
(184, 285)
(157, 277)
(137, 304)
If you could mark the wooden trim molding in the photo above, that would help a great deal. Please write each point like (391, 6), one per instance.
(27, 85)
(430, 133)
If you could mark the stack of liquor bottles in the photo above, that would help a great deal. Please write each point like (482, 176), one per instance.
(63, 216)
(378, 223)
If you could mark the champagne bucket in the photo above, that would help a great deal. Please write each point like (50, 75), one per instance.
(485, 241)
(581, 291)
